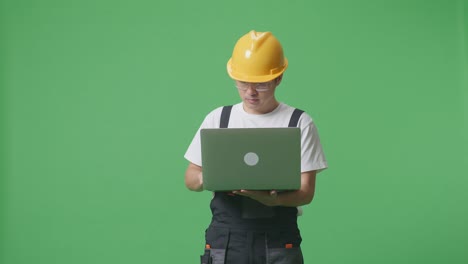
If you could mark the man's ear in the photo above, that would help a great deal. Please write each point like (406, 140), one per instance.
(278, 79)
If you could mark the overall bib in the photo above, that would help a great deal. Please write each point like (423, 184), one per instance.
(244, 231)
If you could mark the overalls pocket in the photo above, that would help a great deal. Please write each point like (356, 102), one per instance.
(285, 256)
(284, 248)
(217, 240)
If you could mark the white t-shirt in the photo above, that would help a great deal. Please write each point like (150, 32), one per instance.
(312, 156)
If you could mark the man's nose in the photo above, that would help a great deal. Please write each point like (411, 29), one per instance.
(252, 89)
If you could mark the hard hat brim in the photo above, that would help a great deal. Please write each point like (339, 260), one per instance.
(255, 79)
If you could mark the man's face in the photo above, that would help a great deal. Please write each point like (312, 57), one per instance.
(258, 98)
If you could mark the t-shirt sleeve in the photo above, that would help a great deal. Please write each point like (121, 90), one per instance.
(193, 153)
(312, 155)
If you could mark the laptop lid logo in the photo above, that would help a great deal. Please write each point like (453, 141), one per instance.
(251, 159)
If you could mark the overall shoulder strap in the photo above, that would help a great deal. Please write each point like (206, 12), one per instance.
(225, 115)
(295, 117)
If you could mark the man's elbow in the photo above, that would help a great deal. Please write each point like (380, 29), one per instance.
(193, 184)
(194, 187)
(193, 178)
(308, 197)
(308, 186)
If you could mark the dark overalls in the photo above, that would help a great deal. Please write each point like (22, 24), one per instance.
(244, 231)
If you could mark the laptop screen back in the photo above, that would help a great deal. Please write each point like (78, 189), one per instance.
(251, 158)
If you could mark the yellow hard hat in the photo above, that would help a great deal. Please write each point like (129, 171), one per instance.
(257, 57)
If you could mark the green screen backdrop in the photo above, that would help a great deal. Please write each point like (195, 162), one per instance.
(99, 100)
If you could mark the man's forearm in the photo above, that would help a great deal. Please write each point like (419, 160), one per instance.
(294, 198)
(302, 196)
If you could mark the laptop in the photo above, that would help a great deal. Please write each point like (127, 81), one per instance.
(251, 158)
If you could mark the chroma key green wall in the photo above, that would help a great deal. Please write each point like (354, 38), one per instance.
(100, 99)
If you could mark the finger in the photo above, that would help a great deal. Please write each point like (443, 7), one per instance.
(241, 192)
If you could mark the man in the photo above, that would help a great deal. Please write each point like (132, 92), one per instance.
(257, 226)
